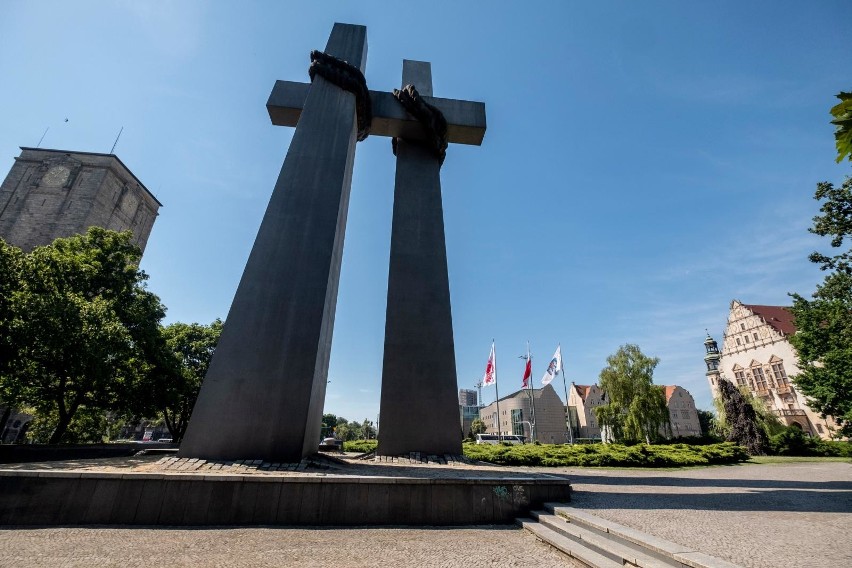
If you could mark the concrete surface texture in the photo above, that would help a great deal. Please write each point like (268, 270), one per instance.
(758, 516)
(267, 380)
(419, 405)
(267, 547)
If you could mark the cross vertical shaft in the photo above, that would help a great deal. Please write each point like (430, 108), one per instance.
(419, 404)
(263, 395)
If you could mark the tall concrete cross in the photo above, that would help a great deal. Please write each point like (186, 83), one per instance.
(264, 392)
(419, 406)
(263, 395)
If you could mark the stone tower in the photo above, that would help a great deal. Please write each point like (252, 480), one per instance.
(56, 193)
(712, 359)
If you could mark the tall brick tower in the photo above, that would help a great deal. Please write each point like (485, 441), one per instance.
(56, 193)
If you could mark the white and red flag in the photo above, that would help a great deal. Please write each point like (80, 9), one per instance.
(554, 368)
(490, 376)
(527, 372)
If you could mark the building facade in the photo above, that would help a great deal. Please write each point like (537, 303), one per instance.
(683, 415)
(582, 400)
(55, 193)
(518, 414)
(467, 397)
(757, 355)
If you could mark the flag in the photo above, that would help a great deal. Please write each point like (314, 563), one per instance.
(527, 373)
(554, 367)
(490, 376)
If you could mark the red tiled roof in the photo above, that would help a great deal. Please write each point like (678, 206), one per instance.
(778, 317)
(669, 391)
(583, 390)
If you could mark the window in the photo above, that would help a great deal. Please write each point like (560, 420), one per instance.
(742, 326)
(759, 377)
(819, 428)
(517, 422)
(755, 336)
(746, 338)
(684, 414)
(779, 374)
(740, 376)
(738, 341)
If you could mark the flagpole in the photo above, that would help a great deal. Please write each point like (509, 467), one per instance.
(565, 386)
(496, 392)
(530, 394)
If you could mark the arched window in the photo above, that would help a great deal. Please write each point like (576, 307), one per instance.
(780, 374)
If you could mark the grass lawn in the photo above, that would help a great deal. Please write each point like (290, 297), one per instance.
(794, 459)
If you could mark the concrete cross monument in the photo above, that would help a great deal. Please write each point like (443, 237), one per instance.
(419, 406)
(263, 395)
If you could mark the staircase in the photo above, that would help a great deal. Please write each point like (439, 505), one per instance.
(600, 543)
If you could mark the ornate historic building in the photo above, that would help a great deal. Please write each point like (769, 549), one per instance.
(757, 355)
(56, 193)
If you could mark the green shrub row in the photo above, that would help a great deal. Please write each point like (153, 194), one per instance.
(607, 455)
(360, 446)
(793, 442)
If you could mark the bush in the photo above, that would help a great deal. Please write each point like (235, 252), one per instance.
(360, 446)
(794, 442)
(607, 455)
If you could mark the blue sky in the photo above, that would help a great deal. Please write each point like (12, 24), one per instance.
(644, 164)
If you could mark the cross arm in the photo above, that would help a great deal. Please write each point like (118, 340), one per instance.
(465, 119)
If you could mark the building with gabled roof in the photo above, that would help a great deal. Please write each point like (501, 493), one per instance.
(582, 399)
(757, 355)
(517, 414)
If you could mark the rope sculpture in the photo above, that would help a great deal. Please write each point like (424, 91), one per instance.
(430, 117)
(349, 78)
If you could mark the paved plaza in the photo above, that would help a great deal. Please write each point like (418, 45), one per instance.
(773, 515)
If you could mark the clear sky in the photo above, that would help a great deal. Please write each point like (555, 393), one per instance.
(644, 164)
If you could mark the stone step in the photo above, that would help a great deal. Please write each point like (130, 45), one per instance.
(572, 548)
(637, 540)
(603, 544)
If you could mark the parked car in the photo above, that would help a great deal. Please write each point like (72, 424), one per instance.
(495, 439)
(165, 440)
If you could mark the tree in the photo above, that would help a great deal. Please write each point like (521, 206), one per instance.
(823, 338)
(842, 113)
(84, 329)
(329, 421)
(368, 432)
(477, 426)
(190, 347)
(741, 419)
(10, 282)
(707, 421)
(635, 408)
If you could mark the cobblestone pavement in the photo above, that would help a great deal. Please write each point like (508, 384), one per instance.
(758, 516)
(761, 516)
(265, 547)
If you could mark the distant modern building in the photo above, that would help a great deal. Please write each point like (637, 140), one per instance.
(517, 414)
(757, 355)
(583, 399)
(467, 397)
(57, 193)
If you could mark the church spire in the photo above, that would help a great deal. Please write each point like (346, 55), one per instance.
(712, 359)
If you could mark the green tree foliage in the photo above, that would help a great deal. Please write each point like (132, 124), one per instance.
(707, 421)
(823, 338)
(477, 426)
(83, 330)
(744, 427)
(842, 113)
(368, 431)
(635, 408)
(10, 282)
(190, 348)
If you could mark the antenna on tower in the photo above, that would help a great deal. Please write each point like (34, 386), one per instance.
(112, 151)
(42, 137)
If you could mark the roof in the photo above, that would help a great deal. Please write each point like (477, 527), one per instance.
(778, 317)
(536, 393)
(142, 185)
(583, 390)
(670, 389)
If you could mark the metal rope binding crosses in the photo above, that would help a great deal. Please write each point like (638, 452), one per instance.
(349, 78)
(429, 116)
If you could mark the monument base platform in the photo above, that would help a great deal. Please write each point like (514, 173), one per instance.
(453, 496)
